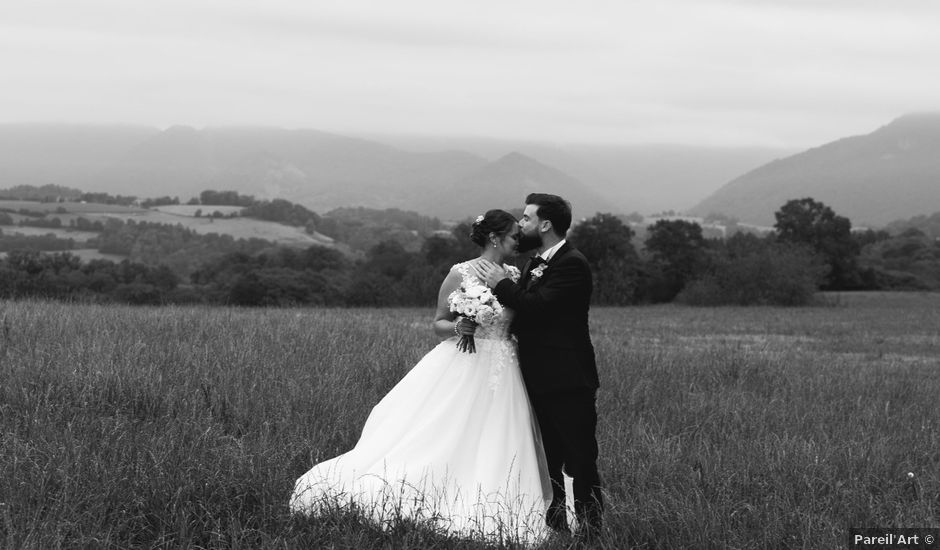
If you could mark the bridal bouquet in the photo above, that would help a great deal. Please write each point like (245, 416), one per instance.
(477, 303)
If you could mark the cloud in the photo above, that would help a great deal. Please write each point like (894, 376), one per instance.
(760, 71)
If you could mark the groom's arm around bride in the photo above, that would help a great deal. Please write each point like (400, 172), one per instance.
(551, 322)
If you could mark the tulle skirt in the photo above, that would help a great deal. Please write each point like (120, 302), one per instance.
(454, 444)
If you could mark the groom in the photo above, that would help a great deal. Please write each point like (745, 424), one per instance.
(551, 302)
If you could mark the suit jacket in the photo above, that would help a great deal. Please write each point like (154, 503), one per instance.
(551, 323)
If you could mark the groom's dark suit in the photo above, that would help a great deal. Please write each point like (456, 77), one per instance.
(558, 365)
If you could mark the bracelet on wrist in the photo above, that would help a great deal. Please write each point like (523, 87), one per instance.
(457, 326)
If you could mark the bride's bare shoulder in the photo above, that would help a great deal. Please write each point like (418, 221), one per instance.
(464, 266)
(457, 272)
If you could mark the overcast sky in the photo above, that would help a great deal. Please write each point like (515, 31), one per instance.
(792, 73)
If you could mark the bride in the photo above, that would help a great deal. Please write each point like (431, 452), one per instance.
(454, 443)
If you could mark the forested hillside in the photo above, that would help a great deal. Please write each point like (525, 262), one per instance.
(889, 174)
(225, 248)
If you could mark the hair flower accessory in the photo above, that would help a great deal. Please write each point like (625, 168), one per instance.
(479, 220)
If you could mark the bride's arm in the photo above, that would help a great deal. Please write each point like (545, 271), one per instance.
(444, 318)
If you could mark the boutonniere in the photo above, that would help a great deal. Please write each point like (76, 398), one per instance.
(537, 272)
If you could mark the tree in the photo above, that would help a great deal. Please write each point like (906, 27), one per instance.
(752, 271)
(870, 236)
(285, 212)
(909, 261)
(225, 198)
(678, 251)
(607, 244)
(371, 289)
(812, 223)
(438, 251)
(464, 248)
(320, 258)
(390, 259)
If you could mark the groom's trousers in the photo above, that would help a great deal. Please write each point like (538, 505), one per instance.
(568, 422)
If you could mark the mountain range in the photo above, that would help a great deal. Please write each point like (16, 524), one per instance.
(890, 174)
(451, 178)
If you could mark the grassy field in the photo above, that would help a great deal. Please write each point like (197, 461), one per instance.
(720, 428)
(238, 228)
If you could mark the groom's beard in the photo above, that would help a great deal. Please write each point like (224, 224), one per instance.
(529, 242)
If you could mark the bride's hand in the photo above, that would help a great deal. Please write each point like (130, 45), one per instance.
(465, 327)
(490, 273)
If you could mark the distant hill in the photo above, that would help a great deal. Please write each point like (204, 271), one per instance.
(632, 178)
(504, 184)
(61, 154)
(891, 174)
(318, 170)
(323, 171)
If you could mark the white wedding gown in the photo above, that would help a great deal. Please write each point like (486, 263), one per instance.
(455, 443)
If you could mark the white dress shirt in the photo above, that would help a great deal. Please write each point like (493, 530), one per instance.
(547, 255)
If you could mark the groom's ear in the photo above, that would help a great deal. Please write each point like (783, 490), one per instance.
(546, 226)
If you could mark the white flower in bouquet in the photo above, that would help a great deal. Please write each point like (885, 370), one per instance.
(478, 304)
(487, 316)
(475, 292)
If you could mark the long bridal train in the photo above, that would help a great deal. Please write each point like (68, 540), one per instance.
(454, 443)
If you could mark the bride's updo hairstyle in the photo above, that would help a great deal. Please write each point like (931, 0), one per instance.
(498, 222)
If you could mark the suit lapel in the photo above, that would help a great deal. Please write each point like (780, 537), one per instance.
(558, 253)
(526, 278)
(525, 271)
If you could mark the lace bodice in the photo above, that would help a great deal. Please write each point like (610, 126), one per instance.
(498, 330)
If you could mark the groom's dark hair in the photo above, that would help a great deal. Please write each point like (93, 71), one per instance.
(554, 209)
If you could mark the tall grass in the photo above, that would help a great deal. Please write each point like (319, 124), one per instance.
(720, 428)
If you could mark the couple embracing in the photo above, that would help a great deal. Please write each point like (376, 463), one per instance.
(476, 440)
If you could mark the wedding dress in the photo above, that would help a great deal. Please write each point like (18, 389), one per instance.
(454, 443)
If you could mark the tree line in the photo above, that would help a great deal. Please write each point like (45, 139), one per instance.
(811, 248)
